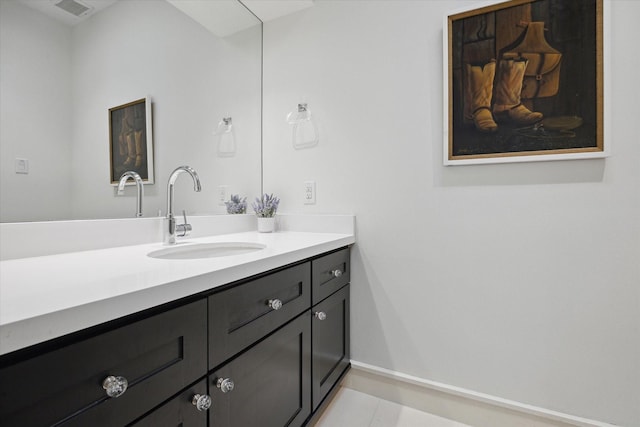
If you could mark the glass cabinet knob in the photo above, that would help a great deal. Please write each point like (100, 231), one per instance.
(320, 315)
(336, 273)
(115, 386)
(275, 304)
(225, 385)
(202, 402)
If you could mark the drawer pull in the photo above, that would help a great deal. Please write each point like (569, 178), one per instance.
(320, 315)
(225, 385)
(275, 304)
(202, 402)
(115, 386)
(336, 273)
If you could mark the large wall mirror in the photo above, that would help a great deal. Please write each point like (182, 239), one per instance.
(58, 82)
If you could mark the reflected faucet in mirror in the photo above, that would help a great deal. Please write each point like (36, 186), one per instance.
(139, 186)
(172, 229)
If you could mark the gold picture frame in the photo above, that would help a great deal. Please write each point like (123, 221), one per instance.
(524, 81)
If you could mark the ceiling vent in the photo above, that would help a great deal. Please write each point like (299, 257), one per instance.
(73, 7)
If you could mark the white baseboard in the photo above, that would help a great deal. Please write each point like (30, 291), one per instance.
(455, 403)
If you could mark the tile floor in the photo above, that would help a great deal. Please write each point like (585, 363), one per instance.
(352, 408)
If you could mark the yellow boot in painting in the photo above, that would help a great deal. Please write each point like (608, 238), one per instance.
(139, 148)
(131, 150)
(508, 89)
(477, 96)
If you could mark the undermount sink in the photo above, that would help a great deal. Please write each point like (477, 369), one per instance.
(205, 250)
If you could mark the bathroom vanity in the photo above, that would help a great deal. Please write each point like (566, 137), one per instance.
(263, 349)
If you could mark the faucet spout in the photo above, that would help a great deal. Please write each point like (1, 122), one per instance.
(171, 227)
(139, 187)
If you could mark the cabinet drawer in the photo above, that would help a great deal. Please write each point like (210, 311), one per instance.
(330, 273)
(240, 316)
(157, 355)
(330, 343)
(179, 411)
(272, 381)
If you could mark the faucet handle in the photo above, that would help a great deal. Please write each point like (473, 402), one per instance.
(183, 229)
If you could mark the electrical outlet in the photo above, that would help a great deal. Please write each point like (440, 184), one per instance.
(223, 195)
(309, 192)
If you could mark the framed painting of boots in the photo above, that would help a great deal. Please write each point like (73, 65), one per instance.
(524, 82)
(131, 140)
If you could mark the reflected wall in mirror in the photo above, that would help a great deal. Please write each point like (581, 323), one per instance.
(59, 81)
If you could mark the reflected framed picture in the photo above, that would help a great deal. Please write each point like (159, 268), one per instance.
(524, 82)
(131, 140)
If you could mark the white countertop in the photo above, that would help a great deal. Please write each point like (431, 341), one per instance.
(46, 297)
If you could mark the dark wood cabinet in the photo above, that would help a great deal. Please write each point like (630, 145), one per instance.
(264, 335)
(157, 356)
(179, 411)
(330, 343)
(329, 273)
(242, 315)
(272, 381)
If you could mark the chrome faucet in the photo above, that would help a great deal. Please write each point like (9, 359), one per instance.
(136, 178)
(170, 226)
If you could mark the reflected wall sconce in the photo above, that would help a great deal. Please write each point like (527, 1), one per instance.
(225, 138)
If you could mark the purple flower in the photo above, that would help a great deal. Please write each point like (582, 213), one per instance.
(236, 205)
(266, 206)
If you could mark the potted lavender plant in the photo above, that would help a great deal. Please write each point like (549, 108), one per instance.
(265, 208)
(236, 205)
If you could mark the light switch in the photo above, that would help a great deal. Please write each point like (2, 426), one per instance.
(22, 166)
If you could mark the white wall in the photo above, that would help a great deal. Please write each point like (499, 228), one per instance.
(35, 112)
(515, 280)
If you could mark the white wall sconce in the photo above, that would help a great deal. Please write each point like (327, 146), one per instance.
(225, 138)
(305, 131)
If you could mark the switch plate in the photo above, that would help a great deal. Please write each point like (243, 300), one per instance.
(22, 166)
(223, 191)
(309, 192)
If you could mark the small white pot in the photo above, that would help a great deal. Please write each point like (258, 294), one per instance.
(266, 225)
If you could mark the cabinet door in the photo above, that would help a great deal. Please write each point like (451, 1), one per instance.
(242, 315)
(329, 273)
(330, 343)
(158, 356)
(179, 411)
(272, 381)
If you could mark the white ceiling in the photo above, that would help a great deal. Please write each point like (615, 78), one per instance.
(49, 7)
(221, 17)
(267, 10)
(224, 17)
